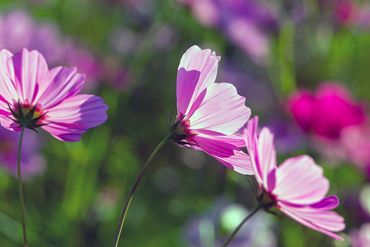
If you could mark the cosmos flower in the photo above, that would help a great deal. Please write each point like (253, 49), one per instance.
(32, 162)
(32, 96)
(209, 114)
(297, 187)
(326, 112)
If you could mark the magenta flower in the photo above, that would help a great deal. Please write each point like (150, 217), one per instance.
(297, 187)
(35, 96)
(350, 13)
(209, 114)
(326, 112)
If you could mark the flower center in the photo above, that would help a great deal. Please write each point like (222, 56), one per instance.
(266, 200)
(26, 115)
(180, 130)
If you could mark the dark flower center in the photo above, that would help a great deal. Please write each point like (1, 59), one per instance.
(180, 131)
(27, 115)
(267, 200)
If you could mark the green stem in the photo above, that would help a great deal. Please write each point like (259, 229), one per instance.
(20, 188)
(286, 58)
(231, 237)
(133, 189)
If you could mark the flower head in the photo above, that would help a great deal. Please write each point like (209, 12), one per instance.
(297, 187)
(326, 112)
(209, 114)
(35, 96)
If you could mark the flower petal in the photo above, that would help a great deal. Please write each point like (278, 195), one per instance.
(69, 120)
(222, 110)
(262, 153)
(59, 84)
(325, 222)
(7, 86)
(328, 203)
(205, 62)
(300, 181)
(29, 67)
(229, 155)
(234, 139)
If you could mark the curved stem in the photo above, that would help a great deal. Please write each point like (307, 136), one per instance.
(20, 189)
(231, 237)
(133, 189)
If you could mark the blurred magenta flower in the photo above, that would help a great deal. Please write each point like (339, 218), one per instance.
(349, 12)
(247, 23)
(361, 237)
(326, 112)
(32, 162)
(297, 187)
(34, 96)
(19, 30)
(209, 114)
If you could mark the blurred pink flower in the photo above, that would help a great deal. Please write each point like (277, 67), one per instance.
(356, 142)
(344, 10)
(297, 187)
(350, 13)
(32, 162)
(34, 96)
(326, 112)
(209, 114)
(361, 237)
(247, 23)
(18, 30)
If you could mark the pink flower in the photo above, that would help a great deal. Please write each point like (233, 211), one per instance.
(326, 112)
(356, 142)
(32, 96)
(297, 187)
(33, 163)
(361, 237)
(350, 13)
(209, 114)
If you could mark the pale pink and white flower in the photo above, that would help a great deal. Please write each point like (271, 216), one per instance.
(209, 114)
(32, 96)
(297, 187)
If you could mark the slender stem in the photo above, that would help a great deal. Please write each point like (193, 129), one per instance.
(230, 238)
(133, 189)
(20, 188)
